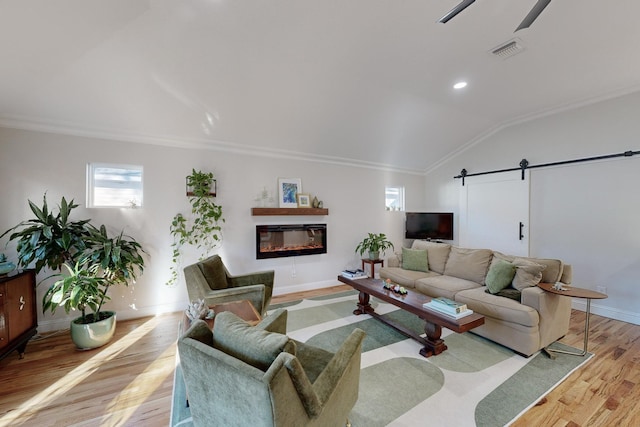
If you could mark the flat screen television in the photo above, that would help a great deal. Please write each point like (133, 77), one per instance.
(429, 225)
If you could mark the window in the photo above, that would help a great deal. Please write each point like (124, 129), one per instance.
(394, 198)
(117, 186)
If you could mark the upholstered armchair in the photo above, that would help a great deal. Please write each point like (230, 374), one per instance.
(210, 280)
(241, 375)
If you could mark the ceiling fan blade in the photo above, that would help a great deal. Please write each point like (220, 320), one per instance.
(456, 10)
(533, 14)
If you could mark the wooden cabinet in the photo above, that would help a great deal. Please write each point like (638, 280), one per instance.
(18, 316)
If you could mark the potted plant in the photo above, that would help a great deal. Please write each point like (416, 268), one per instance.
(374, 244)
(203, 231)
(88, 262)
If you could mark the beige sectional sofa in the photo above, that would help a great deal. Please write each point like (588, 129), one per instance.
(522, 316)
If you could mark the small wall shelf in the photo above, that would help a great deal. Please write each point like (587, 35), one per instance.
(288, 211)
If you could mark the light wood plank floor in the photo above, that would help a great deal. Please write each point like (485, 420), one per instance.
(129, 381)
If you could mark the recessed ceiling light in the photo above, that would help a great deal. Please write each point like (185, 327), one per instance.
(460, 85)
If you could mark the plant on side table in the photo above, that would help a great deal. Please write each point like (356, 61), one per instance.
(88, 261)
(374, 244)
(203, 231)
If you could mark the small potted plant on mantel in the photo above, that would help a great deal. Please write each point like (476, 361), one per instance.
(374, 244)
(88, 262)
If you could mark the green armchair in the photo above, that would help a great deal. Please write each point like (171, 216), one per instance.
(210, 280)
(241, 375)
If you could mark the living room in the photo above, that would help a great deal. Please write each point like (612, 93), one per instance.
(584, 214)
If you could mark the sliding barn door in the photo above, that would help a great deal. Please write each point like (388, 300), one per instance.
(494, 213)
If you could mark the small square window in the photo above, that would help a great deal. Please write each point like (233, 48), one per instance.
(116, 186)
(394, 198)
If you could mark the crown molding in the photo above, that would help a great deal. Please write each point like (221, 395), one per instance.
(74, 129)
(514, 121)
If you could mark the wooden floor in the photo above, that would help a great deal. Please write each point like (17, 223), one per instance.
(129, 381)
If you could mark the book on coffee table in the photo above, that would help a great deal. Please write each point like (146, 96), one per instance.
(450, 305)
(354, 274)
(438, 307)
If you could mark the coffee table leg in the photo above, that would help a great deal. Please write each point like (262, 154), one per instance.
(433, 344)
(363, 304)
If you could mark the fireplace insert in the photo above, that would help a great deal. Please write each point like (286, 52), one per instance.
(276, 241)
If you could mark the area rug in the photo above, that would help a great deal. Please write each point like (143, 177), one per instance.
(474, 383)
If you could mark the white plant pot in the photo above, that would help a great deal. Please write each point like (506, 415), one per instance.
(93, 335)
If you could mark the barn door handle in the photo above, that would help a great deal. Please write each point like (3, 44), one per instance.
(22, 302)
(520, 232)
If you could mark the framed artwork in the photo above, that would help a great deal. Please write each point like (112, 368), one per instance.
(288, 189)
(303, 201)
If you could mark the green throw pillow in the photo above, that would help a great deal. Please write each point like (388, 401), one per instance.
(254, 346)
(500, 276)
(415, 259)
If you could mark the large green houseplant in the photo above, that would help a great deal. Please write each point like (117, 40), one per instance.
(86, 262)
(374, 244)
(202, 230)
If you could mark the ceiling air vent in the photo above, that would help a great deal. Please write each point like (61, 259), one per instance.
(508, 49)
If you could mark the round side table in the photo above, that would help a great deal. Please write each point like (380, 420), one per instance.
(573, 292)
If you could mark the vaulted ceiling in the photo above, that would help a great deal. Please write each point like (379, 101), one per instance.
(361, 81)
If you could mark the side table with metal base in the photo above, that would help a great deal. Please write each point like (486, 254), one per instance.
(573, 292)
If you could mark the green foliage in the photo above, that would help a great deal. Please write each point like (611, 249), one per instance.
(374, 243)
(80, 288)
(119, 257)
(202, 230)
(49, 240)
(87, 259)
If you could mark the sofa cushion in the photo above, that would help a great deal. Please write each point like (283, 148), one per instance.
(497, 256)
(254, 346)
(470, 264)
(528, 273)
(437, 253)
(406, 278)
(498, 308)
(500, 275)
(415, 259)
(213, 271)
(444, 286)
(553, 271)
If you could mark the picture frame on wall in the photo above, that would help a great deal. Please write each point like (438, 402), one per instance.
(304, 201)
(288, 190)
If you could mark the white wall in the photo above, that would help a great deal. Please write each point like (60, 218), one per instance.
(32, 163)
(585, 214)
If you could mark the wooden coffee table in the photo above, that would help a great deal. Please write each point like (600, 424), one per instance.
(411, 302)
(243, 309)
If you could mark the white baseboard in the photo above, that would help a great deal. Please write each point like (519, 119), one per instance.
(63, 323)
(603, 310)
(305, 287)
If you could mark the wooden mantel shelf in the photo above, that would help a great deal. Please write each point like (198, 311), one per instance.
(289, 211)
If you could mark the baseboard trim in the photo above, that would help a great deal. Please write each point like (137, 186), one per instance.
(51, 325)
(304, 287)
(605, 311)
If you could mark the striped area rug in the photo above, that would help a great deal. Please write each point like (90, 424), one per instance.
(474, 383)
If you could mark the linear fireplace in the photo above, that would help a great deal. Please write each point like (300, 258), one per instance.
(275, 241)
